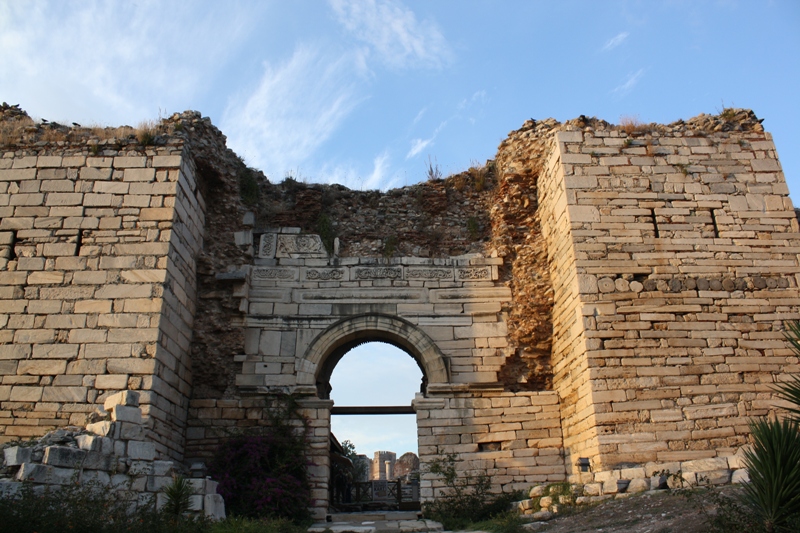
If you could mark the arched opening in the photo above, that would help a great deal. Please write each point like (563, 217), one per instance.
(376, 374)
(387, 341)
(329, 347)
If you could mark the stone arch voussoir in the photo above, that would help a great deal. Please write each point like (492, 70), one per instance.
(375, 327)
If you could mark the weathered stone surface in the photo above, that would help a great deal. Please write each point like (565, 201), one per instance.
(16, 455)
(63, 456)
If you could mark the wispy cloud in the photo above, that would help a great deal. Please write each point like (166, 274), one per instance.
(615, 41)
(419, 115)
(296, 106)
(381, 176)
(629, 83)
(417, 146)
(393, 33)
(115, 63)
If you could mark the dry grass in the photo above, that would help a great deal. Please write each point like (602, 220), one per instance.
(478, 173)
(146, 132)
(25, 130)
(13, 131)
(631, 124)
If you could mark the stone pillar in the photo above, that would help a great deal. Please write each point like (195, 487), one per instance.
(318, 414)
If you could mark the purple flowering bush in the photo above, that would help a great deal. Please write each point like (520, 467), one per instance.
(264, 476)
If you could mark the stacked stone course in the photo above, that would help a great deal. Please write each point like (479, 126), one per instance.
(627, 308)
(97, 278)
(110, 455)
(674, 263)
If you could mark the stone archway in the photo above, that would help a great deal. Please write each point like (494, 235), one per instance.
(330, 346)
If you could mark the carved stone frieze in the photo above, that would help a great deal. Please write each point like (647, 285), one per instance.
(274, 274)
(379, 273)
(474, 273)
(429, 273)
(266, 248)
(300, 245)
(320, 274)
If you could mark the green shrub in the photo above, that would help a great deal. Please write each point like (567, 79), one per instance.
(248, 186)
(773, 463)
(263, 474)
(86, 508)
(178, 495)
(326, 231)
(466, 500)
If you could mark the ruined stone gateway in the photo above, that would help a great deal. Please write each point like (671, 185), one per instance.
(616, 294)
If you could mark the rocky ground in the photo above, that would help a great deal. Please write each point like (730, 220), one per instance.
(650, 512)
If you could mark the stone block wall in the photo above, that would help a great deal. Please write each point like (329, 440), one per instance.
(674, 263)
(515, 438)
(97, 283)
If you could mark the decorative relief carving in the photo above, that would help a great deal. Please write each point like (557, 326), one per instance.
(378, 273)
(266, 249)
(429, 273)
(324, 275)
(475, 273)
(300, 244)
(273, 273)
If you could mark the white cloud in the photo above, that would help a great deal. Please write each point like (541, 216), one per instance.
(615, 41)
(629, 83)
(393, 33)
(111, 62)
(296, 106)
(417, 146)
(380, 177)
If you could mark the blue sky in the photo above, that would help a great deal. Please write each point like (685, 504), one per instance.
(363, 92)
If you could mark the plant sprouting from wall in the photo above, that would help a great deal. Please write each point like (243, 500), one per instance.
(473, 228)
(434, 173)
(326, 231)
(248, 186)
(390, 245)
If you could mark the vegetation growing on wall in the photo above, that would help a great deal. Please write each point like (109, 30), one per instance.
(262, 472)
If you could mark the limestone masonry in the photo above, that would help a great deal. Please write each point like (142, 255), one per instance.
(600, 292)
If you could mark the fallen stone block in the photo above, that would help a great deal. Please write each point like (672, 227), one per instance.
(122, 398)
(138, 450)
(90, 443)
(124, 413)
(46, 474)
(104, 429)
(16, 455)
(740, 476)
(639, 485)
(214, 506)
(63, 456)
(98, 461)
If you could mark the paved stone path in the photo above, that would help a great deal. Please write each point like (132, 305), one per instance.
(377, 522)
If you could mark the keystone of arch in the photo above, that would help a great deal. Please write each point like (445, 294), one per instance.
(375, 327)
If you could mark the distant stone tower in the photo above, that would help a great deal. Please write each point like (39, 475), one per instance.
(379, 470)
